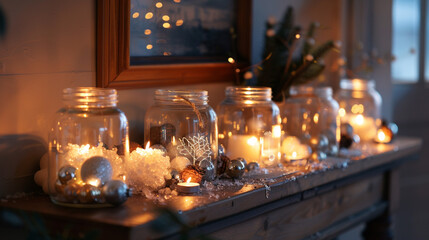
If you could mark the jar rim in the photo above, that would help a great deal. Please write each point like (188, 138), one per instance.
(196, 96)
(248, 92)
(89, 97)
(358, 84)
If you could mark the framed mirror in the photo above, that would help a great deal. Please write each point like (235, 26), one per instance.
(153, 43)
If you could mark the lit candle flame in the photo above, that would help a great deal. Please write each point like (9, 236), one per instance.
(359, 120)
(147, 145)
(189, 180)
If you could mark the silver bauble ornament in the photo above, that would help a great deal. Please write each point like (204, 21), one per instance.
(161, 148)
(116, 192)
(89, 194)
(242, 160)
(66, 173)
(252, 166)
(235, 168)
(209, 170)
(98, 169)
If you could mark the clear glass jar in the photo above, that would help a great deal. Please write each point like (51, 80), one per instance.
(360, 106)
(249, 125)
(182, 123)
(300, 120)
(329, 120)
(88, 146)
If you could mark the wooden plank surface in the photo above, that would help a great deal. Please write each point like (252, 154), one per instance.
(137, 215)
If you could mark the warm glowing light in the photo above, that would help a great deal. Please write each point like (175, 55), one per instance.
(293, 155)
(316, 118)
(277, 131)
(253, 141)
(359, 119)
(136, 15)
(149, 15)
(342, 112)
(166, 25)
(189, 180)
(231, 60)
(381, 135)
(124, 177)
(166, 18)
(229, 134)
(94, 182)
(173, 141)
(179, 22)
(177, 1)
(147, 31)
(158, 5)
(149, 46)
(249, 102)
(147, 145)
(221, 136)
(357, 108)
(298, 36)
(305, 115)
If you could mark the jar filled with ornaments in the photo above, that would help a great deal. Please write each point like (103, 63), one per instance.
(88, 148)
(250, 126)
(305, 119)
(360, 105)
(183, 125)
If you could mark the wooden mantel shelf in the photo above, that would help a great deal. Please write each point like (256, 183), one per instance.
(314, 205)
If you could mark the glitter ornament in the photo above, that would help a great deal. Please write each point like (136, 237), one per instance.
(96, 170)
(209, 170)
(252, 166)
(319, 143)
(235, 168)
(180, 163)
(66, 173)
(317, 156)
(89, 194)
(116, 192)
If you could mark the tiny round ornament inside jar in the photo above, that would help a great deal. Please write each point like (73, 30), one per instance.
(84, 154)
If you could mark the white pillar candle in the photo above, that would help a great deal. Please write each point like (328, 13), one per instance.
(244, 146)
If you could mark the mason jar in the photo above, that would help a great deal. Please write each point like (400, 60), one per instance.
(360, 106)
(182, 123)
(88, 147)
(329, 119)
(249, 125)
(300, 119)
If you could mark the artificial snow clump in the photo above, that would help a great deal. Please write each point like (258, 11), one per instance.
(147, 169)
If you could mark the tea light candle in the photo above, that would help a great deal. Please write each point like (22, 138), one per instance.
(188, 187)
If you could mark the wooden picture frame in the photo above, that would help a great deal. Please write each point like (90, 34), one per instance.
(113, 58)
